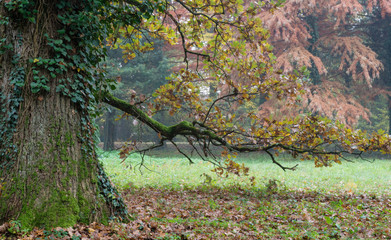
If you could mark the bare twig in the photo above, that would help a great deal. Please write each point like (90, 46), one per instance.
(181, 152)
(276, 162)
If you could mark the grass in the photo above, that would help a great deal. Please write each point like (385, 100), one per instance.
(172, 201)
(176, 173)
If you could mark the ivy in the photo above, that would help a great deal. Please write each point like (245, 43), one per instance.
(23, 8)
(4, 46)
(86, 81)
(40, 82)
(111, 194)
(75, 55)
(9, 105)
(4, 20)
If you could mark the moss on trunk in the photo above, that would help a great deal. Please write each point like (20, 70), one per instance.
(52, 175)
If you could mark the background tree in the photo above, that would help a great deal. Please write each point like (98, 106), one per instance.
(109, 132)
(51, 80)
(378, 30)
(140, 76)
(332, 39)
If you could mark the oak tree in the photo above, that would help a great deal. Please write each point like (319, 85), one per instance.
(51, 79)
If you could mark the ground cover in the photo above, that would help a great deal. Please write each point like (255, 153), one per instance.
(175, 172)
(175, 200)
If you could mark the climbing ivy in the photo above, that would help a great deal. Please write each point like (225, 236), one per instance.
(75, 54)
(87, 81)
(24, 9)
(111, 194)
(11, 100)
(9, 105)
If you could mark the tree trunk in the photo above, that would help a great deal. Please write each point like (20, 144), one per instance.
(48, 167)
(109, 130)
(389, 115)
(381, 44)
(312, 23)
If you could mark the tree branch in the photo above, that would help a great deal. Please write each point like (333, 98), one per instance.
(203, 133)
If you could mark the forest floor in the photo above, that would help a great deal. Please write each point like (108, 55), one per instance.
(173, 200)
(215, 213)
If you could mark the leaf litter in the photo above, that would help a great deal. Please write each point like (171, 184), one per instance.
(209, 212)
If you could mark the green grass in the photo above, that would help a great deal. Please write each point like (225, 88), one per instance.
(176, 173)
(172, 201)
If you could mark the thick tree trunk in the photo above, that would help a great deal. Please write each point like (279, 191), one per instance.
(52, 182)
(48, 167)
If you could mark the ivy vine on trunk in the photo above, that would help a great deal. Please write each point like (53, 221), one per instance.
(49, 168)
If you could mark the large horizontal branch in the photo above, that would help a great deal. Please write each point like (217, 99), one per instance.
(202, 132)
(183, 128)
(169, 132)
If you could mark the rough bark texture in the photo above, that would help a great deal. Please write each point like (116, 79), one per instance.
(49, 181)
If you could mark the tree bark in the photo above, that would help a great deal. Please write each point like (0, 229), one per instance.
(48, 168)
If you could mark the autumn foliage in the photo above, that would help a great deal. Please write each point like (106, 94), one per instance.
(329, 38)
(243, 51)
